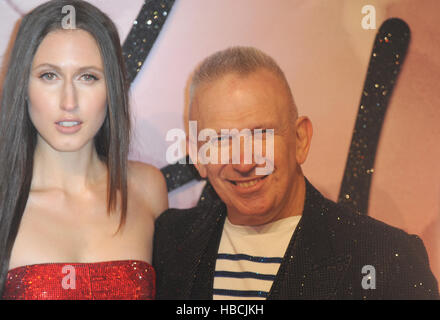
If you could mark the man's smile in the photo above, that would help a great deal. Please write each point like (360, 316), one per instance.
(248, 185)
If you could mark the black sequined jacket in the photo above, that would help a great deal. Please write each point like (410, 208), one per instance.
(324, 259)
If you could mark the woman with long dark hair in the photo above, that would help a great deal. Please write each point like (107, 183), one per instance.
(76, 217)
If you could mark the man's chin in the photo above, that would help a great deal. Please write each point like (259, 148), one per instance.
(249, 215)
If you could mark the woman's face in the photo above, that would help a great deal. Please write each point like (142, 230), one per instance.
(67, 90)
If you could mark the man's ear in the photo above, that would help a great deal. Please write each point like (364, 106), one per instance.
(304, 132)
(192, 152)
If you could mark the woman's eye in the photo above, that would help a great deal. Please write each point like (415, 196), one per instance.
(89, 77)
(48, 76)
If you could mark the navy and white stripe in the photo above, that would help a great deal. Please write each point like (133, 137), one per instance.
(236, 257)
(249, 258)
(229, 279)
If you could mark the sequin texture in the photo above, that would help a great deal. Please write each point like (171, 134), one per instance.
(143, 34)
(110, 280)
(389, 51)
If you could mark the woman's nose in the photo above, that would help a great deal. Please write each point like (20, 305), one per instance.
(69, 99)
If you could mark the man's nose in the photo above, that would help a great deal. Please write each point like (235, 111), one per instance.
(69, 99)
(246, 163)
(243, 167)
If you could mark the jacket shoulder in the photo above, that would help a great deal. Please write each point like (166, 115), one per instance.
(349, 222)
(175, 222)
(369, 234)
(400, 258)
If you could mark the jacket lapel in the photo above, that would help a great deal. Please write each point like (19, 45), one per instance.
(201, 246)
(312, 267)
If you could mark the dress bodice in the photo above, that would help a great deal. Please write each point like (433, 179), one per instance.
(119, 280)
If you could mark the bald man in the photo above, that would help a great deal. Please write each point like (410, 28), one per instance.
(272, 235)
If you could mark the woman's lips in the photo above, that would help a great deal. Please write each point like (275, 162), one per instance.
(68, 127)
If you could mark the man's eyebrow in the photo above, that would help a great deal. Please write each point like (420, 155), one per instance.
(254, 127)
(82, 69)
(264, 126)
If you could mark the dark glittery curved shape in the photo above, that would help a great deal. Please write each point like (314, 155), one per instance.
(178, 174)
(143, 34)
(388, 54)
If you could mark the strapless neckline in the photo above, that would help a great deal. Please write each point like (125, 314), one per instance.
(80, 263)
(101, 280)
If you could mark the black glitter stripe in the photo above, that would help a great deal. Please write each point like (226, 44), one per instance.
(136, 47)
(143, 34)
(389, 50)
(179, 174)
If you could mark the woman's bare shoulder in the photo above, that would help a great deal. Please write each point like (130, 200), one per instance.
(150, 184)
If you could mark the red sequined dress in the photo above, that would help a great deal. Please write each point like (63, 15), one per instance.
(118, 280)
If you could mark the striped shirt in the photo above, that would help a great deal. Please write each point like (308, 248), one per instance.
(249, 258)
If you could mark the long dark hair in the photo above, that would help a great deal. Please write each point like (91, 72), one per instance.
(18, 135)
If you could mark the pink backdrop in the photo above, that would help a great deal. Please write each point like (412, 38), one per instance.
(325, 52)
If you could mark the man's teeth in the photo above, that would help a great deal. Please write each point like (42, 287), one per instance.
(68, 123)
(248, 183)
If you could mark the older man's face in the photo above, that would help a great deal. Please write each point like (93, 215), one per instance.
(257, 101)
